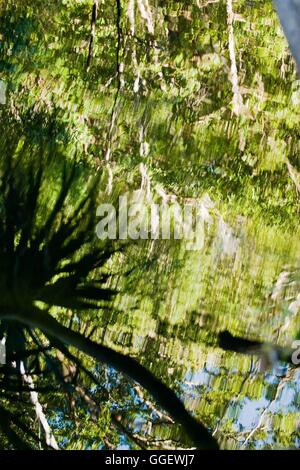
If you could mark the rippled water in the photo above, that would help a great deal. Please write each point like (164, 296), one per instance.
(163, 123)
(245, 280)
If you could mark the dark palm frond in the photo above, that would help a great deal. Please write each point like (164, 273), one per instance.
(49, 253)
(40, 242)
(48, 250)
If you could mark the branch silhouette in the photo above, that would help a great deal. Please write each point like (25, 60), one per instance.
(60, 263)
(271, 352)
(164, 396)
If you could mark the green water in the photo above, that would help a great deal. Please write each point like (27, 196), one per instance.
(188, 297)
(155, 113)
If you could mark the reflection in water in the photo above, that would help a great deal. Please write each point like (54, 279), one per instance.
(245, 280)
(182, 102)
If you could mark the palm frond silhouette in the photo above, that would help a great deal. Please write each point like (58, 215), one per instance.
(50, 257)
(44, 259)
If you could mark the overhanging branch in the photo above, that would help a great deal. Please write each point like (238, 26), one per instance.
(164, 396)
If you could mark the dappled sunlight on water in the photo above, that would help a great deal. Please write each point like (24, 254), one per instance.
(188, 297)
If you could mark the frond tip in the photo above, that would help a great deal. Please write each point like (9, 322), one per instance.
(48, 248)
